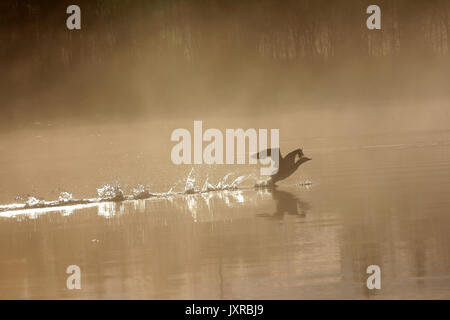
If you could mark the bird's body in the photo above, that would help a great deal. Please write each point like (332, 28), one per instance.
(287, 165)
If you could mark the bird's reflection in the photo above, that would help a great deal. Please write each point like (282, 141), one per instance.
(287, 203)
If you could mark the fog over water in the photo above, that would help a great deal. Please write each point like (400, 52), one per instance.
(162, 58)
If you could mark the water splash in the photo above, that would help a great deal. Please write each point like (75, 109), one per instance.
(189, 187)
(237, 182)
(114, 193)
(207, 187)
(110, 193)
(222, 184)
(65, 197)
(306, 184)
(140, 192)
(263, 183)
(34, 202)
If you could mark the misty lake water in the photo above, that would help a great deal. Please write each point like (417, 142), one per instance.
(375, 199)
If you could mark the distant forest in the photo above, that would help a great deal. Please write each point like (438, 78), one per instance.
(154, 54)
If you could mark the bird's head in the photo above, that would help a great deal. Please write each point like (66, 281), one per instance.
(300, 157)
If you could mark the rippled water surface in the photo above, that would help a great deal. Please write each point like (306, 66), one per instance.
(368, 200)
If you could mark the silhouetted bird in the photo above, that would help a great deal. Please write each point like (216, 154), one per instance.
(287, 165)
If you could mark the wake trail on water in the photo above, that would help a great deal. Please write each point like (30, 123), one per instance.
(114, 193)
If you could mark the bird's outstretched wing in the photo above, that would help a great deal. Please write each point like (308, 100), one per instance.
(290, 157)
(272, 152)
